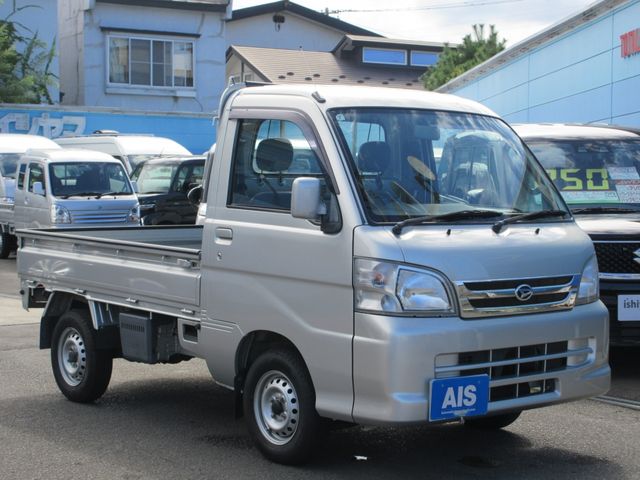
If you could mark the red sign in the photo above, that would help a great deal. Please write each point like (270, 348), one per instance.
(630, 43)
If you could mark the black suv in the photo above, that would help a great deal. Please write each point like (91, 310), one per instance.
(163, 184)
(597, 170)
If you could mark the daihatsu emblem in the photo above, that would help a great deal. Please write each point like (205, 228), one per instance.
(637, 255)
(524, 292)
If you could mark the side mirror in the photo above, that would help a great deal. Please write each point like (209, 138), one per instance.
(306, 199)
(38, 189)
(134, 185)
(195, 195)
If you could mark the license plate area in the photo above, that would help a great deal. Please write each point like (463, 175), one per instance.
(629, 308)
(457, 397)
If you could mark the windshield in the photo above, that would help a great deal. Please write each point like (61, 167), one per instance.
(154, 177)
(8, 164)
(415, 163)
(593, 173)
(77, 178)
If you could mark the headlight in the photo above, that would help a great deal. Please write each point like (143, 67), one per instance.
(589, 290)
(60, 214)
(394, 288)
(134, 215)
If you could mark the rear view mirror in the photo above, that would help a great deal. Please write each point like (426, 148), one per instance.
(306, 198)
(426, 132)
(38, 189)
(195, 195)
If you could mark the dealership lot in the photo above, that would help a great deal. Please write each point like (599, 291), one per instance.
(173, 422)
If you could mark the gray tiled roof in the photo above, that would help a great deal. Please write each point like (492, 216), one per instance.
(296, 66)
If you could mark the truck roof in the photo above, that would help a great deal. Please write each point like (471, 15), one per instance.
(59, 155)
(333, 96)
(130, 144)
(20, 142)
(563, 131)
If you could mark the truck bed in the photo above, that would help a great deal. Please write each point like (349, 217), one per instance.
(151, 268)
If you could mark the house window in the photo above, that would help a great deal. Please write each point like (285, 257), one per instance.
(384, 55)
(423, 59)
(150, 62)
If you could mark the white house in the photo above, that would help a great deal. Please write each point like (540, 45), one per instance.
(146, 55)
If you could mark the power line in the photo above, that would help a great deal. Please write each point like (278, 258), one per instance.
(442, 6)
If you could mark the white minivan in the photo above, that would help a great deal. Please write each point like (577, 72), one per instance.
(64, 188)
(129, 149)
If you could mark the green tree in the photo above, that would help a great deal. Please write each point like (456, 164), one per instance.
(25, 64)
(473, 50)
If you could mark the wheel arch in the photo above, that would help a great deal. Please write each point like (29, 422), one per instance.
(58, 304)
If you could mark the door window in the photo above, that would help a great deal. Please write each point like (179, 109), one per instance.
(36, 174)
(269, 155)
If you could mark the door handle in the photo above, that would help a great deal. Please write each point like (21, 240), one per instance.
(224, 233)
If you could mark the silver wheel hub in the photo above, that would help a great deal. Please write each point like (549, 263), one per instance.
(72, 358)
(276, 407)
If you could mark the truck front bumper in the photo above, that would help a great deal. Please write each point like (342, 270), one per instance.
(532, 360)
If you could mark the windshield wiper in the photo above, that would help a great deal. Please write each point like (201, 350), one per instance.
(80, 194)
(109, 194)
(497, 227)
(459, 215)
(607, 209)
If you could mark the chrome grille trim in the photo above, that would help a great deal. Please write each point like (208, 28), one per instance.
(561, 296)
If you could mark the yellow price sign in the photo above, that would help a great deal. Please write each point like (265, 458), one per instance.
(576, 178)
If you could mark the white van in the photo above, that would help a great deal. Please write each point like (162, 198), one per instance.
(12, 146)
(129, 149)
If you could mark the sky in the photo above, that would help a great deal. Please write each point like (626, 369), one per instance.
(446, 20)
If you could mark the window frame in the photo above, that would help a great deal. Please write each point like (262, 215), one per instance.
(304, 123)
(395, 50)
(151, 39)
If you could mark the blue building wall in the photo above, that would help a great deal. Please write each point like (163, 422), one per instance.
(195, 132)
(578, 77)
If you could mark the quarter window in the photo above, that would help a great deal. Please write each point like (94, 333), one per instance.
(423, 59)
(384, 55)
(151, 62)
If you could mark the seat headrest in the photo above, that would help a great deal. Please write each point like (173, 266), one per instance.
(374, 157)
(274, 155)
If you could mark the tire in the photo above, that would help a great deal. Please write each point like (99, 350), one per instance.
(6, 244)
(82, 372)
(493, 422)
(279, 407)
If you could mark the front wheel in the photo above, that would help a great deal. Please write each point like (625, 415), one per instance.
(82, 372)
(279, 405)
(493, 422)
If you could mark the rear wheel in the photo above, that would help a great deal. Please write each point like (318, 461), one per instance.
(82, 372)
(493, 422)
(279, 405)
(6, 244)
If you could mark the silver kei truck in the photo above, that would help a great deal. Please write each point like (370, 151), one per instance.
(374, 256)
(62, 188)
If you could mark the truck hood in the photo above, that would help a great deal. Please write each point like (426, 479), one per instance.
(621, 224)
(476, 253)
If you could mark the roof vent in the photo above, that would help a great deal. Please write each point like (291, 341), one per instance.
(308, 79)
(316, 75)
(342, 76)
(290, 74)
(281, 77)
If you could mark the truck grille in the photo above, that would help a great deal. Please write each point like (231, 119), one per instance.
(517, 296)
(516, 372)
(99, 216)
(618, 257)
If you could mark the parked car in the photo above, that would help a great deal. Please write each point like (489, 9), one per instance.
(350, 289)
(61, 188)
(131, 150)
(597, 170)
(163, 185)
(12, 146)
